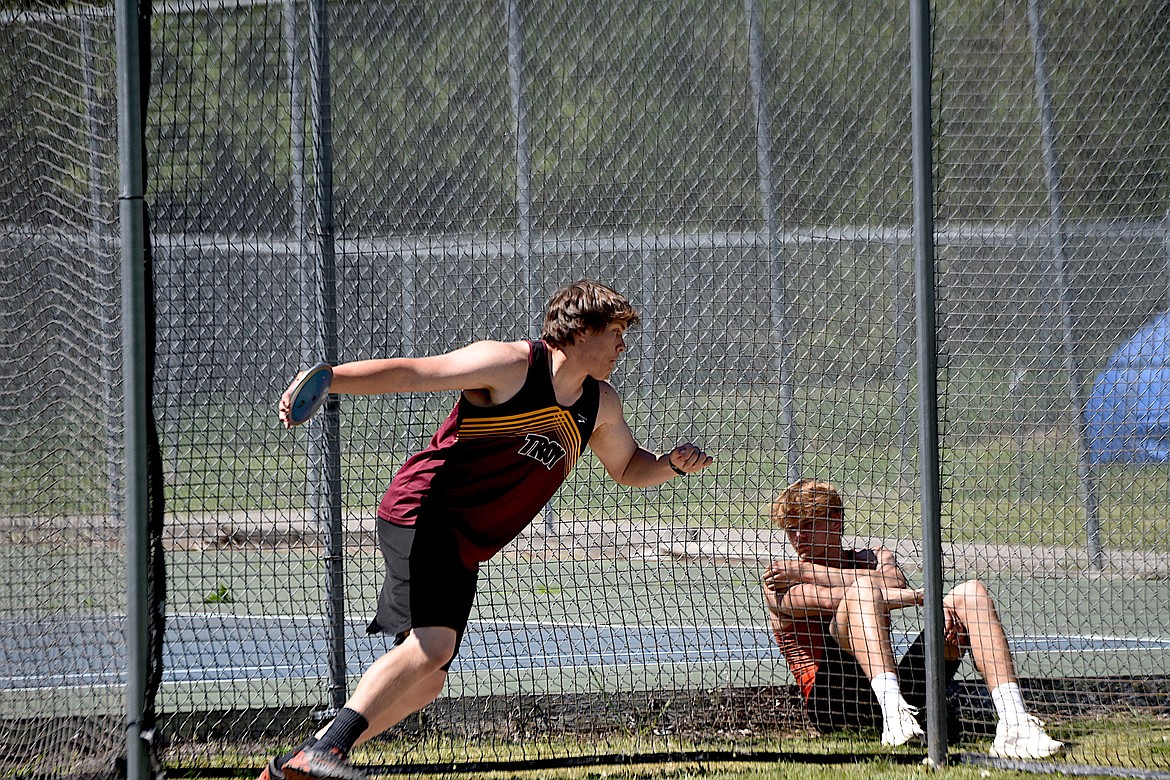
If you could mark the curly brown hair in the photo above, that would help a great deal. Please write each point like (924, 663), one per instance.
(584, 306)
(805, 499)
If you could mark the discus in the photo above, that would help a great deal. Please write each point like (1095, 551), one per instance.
(309, 393)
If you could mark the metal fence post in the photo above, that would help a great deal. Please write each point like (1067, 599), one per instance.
(781, 322)
(1057, 235)
(903, 356)
(326, 430)
(928, 444)
(528, 276)
(132, 213)
(528, 279)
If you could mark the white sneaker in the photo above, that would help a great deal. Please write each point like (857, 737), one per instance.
(1024, 740)
(902, 727)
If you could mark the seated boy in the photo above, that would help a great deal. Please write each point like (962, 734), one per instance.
(830, 613)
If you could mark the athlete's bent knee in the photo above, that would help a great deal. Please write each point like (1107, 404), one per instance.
(434, 686)
(971, 592)
(864, 588)
(435, 646)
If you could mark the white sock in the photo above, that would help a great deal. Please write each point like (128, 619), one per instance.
(1009, 703)
(889, 693)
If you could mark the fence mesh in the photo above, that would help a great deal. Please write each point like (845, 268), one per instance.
(1050, 283)
(374, 179)
(63, 567)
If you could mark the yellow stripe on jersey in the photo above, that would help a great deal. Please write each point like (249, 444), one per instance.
(552, 419)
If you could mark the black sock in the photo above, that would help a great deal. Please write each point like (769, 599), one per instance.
(282, 760)
(344, 731)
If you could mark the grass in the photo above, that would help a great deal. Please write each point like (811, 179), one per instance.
(1134, 742)
(1020, 489)
(872, 769)
(704, 769)
(1013, 489)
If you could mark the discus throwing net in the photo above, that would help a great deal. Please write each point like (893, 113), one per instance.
(741, 171)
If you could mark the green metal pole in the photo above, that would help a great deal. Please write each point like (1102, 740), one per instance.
(325, 460)
(782, 326)
(1087, 479)
(923, 169)
(135, 409)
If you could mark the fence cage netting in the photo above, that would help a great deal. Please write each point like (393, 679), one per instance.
(351, 180)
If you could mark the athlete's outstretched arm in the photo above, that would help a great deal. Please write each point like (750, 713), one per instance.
(493, 369)
(486, 365)
(627, 461)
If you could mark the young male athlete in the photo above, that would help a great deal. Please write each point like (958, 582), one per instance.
(830, 612)
(526, 411)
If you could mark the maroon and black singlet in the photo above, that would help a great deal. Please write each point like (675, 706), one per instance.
(488, 471)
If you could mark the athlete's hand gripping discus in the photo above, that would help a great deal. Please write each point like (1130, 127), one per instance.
(306, 395)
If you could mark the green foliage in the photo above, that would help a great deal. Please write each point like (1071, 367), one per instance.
(643, 115)
(221, 595)
(1109, 79)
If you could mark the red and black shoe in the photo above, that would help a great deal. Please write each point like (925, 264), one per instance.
(321, 764)
(272, 771)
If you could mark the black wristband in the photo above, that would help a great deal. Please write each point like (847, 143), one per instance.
(675, 468)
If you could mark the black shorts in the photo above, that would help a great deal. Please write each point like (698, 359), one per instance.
(842, 698)
(426, 583)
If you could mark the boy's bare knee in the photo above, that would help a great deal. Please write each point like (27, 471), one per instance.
(432, 648)
(865, 588)
(970, 593)
(434, 686)
(862, 597)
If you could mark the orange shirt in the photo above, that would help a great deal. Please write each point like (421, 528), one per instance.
(802, 640)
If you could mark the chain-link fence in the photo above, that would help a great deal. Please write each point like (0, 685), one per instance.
(61, 497)
(372, 179)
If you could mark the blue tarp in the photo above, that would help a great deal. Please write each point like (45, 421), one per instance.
(1128, 411)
